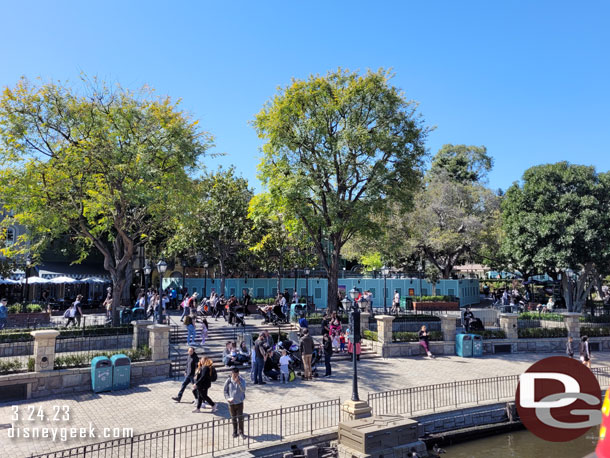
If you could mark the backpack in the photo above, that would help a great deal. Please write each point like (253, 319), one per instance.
(213, 375)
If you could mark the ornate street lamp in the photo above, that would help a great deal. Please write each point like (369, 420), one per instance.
(296, 276)
(28, 264)
(307, 272)
(184, 264)
(147, 272)
(385, 271)
(161, 267)
(354, 337)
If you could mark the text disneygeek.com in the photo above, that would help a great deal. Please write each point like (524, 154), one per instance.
(64, 433)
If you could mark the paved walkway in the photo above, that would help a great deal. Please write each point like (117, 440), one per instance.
(149, 407)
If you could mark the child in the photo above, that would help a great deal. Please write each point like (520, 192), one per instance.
(342, 343)
(284, 369)
(570, 348)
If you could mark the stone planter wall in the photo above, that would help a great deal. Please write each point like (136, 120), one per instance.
(430, 306)
(93, 343)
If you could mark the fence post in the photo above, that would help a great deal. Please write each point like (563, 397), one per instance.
(131, 446)
(44, 349)
(433, 399)
(281, 425)
(311, 418)
(174, 453)
(455, 393)
(498, 387)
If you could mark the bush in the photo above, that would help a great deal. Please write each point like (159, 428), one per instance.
(95, 331)
(595, 332)
(432, 299)
(417, 318)
(595, 319)
(540, 316)
(16, 337)
(15, 308)
(491, 334)
(414, 336)
(369, 335)
(317, 319)
(33, 308)
(84, 359)
(10, 366)
(31, 364)
(541, 333)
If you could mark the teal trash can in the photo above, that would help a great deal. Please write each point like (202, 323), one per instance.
(101, 374)
(463, 345)
(296, 310)
(121, 372)
(477, 345)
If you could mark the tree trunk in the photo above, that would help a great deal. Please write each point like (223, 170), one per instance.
(221, 263)
(333, 279)
(119, 285)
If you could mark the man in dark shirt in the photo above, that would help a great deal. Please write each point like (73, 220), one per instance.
(189, 372)
(260, 354)
(468, 317)
(306, 353)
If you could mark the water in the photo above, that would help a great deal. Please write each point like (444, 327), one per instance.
(523, 444)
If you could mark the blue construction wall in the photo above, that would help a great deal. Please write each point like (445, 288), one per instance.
(466, 289)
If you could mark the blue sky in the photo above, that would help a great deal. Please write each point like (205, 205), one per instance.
(529, 80)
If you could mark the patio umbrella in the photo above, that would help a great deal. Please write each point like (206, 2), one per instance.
(8, 281)
(93, 280)
(63, 280)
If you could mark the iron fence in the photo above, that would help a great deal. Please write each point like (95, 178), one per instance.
(454, 394)
(15, 355)
(214, 436)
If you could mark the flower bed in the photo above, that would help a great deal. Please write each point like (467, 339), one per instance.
(84, 359)
(490, 334)
(541, 333)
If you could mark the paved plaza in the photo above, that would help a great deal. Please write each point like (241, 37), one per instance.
(149, 407)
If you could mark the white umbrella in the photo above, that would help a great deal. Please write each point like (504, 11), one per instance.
(8, 281)
(93, 280)
(63, 279)
(35, 280)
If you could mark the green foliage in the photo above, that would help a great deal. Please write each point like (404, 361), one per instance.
(432, 299)
(7, 366)
(541, 333)
(595, 332)
(107, 167)
(316, 318)
(370, 335)
(84, 359)
(417, 318)
(414, 336)
(23, 335)
(558, 219)
(371, 261)
(33, 308)
(595, 319)
(462, 164)
(491, 333)
(15, 308)
(31, 364)
(540, 316)
(338, 148)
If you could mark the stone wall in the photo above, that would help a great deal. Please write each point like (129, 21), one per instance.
(69, 381)
(93, 343)
(462, 418)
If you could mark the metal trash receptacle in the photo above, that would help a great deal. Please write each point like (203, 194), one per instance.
(463, 345)
(138, 313)
(121, 372)
(296, 310)
(101, 374)
(125, 316)
(477, 345)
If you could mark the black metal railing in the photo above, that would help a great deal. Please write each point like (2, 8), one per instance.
(454, 394)
(16, 355)
(215, 436)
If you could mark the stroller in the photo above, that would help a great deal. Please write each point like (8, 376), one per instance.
(476, 325)
(296, 364)
(277, 316)
(240, 319)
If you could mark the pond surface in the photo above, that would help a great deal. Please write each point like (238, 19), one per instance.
(523, 444)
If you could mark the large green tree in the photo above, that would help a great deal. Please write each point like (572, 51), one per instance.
(557, 221)
(336, 146)
(214, 221)
(102, 165)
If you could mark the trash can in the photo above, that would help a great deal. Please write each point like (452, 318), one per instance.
(101, 374)
(125, 316)
(121, 372)
(138, 313)
(463, 345)
(477, 345)
(295, 311)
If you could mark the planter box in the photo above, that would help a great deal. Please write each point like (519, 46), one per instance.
(429, 306)
(24, 320)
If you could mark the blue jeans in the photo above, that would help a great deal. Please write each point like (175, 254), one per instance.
(259, 364)
(2, 323)
(185, 311)
(190, 338)
(187, 380)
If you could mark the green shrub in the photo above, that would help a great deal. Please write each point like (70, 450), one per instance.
(491, 334)
(16, 337)
(10, 366)
(541, 333)
(414, 336)
(540, 316)
(432, 299)
(33, 308)
(31, 364)
(369, 335)
(595, 332)
(417, 318)
(84, 359)
(595, 319)
(15, 308)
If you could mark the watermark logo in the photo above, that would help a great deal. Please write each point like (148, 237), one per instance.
(559, 399)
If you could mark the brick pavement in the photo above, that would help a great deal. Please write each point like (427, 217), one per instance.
(149, 407)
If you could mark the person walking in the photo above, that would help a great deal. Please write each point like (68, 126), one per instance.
(3, 312)
(204, 330)
(306, 347)
(190, 328)
(235, 394)
(585, 352)
(189, 373)
(327, 345)
(424, 340)
(570, 347)
(260, 354)
(78, 311)
(205, 375)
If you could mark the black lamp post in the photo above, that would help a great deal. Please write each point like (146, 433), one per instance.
(420, 271)
(184, 264)
(385, 271)
(25, 294)
(147, 272)
(307, 271)
(205, 279)
(295, 280)
(161, 267)
(354, 337)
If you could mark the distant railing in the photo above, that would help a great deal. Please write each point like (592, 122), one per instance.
(454, 394)
(215, 436)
